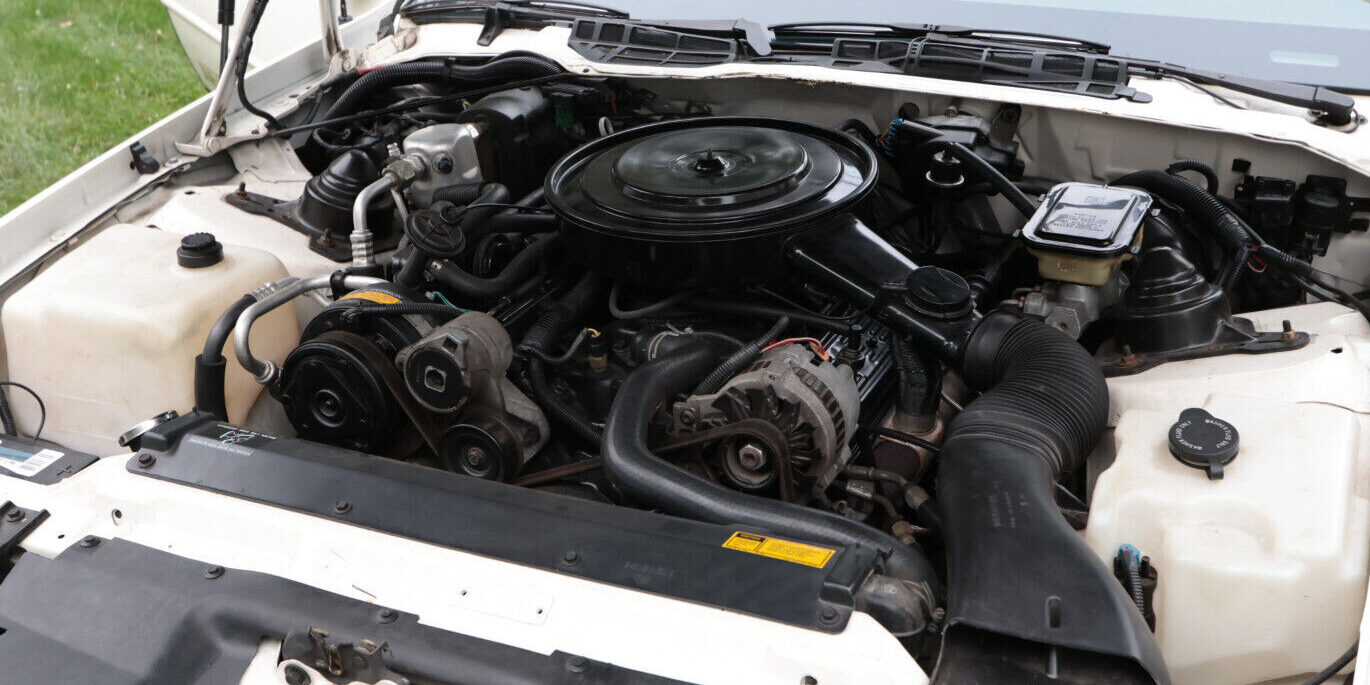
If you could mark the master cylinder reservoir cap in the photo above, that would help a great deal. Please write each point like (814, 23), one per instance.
(1203, 441)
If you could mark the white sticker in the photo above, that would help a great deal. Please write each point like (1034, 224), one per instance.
(26, 464)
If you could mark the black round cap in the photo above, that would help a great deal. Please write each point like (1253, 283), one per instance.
(199, 250)
(937, 292)
(1203, 441)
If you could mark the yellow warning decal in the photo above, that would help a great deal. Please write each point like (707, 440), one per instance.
(785, 550)
(372, 296)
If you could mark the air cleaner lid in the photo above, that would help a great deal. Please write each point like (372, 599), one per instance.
(710, 178)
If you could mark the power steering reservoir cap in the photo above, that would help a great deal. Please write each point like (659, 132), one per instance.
(1203, 441)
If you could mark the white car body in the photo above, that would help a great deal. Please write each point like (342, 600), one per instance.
(544, 611)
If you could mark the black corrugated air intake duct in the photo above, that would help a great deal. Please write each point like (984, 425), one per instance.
(723, 200)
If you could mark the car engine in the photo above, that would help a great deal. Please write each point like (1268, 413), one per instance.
(880, 332)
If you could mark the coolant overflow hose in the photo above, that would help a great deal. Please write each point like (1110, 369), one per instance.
(648, 480)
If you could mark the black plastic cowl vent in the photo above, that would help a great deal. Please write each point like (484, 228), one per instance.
(625, 42)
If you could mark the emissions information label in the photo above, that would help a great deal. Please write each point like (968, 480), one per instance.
(784, 550)
(27, 463)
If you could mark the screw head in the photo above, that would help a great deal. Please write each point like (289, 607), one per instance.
(444, 165)
(342, 506)
(571, 557)
(214, 572)
(387, 615)
(15, 515)
(89, 541)
(145, 460)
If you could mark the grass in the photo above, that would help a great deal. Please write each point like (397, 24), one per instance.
(77, 77)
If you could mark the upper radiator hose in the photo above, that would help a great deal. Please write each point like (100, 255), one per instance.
(1022, 584)
(650, 481)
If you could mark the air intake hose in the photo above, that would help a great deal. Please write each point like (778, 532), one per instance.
(1022, 585)
(648, 480)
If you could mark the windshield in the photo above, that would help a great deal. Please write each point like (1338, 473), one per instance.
(1322, 42)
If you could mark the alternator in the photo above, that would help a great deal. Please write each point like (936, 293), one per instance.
(787, 419)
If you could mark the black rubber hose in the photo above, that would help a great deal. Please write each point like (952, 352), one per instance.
(7, 417)
(475, 220)
(739, 359)
(862, 131)
(754, 310)
(567, 312)
(1134, 584)
(459, 193)
(649, 481)
(500, 68)
(495, 219)
(1229, 230)
(1210, 176)
(521, 222)
(980, 167)
(210, 364)
(481, 290)
(1335, 667)
(919, 388)
(250, 29)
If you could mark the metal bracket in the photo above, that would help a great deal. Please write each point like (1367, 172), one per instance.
(342, 662)
(16, 523)
(1238, 336)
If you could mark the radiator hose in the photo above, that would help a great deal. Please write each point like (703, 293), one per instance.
(499, 69)
(650, 481)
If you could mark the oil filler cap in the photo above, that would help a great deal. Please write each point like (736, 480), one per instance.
(1203, 441)
(938, 292)
(199, 250)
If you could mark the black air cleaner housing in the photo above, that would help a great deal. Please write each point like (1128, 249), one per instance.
(706, 201)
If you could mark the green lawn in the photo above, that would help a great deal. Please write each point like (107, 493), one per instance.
(77, 77)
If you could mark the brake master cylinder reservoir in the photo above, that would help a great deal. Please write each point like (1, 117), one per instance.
(108, 334)
(1082, 232)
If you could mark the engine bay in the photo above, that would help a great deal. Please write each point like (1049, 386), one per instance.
(1104, 427)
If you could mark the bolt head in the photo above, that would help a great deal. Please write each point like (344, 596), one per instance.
(828, 615)
(577, 664)
(387, 615)
(145, 460)
(571, 557)
(15, 515)
(214, 572)
(751, 456)
(89, 541)
(342, 506)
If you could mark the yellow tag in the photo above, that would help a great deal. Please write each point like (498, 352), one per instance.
(373, 296)
(785, 550)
